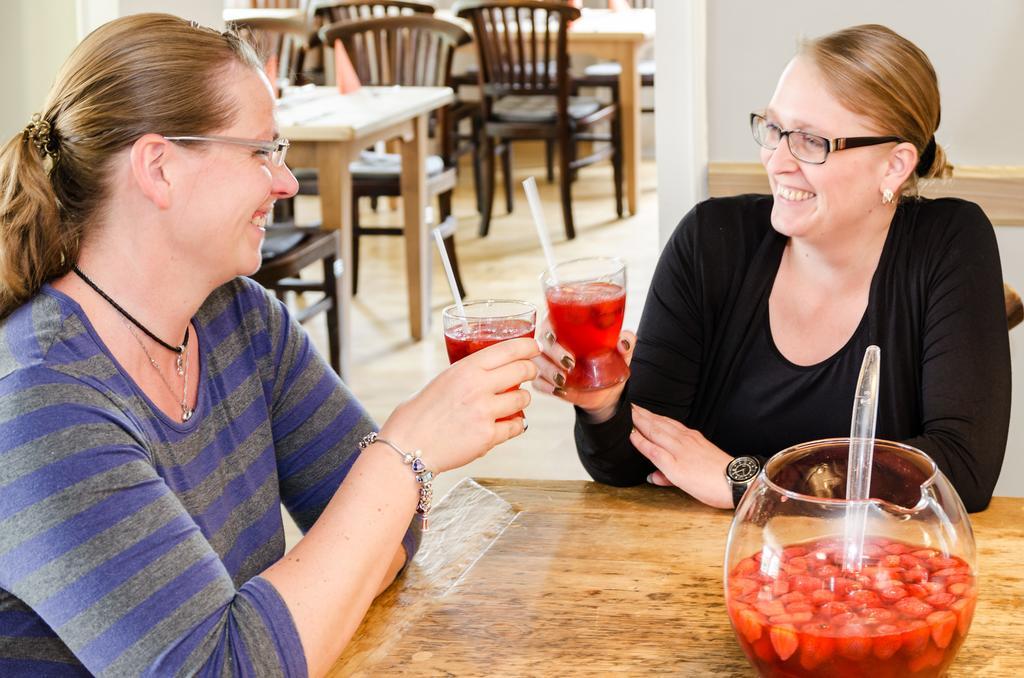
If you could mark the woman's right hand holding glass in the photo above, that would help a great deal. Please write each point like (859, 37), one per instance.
(453, 420)
(554, 364)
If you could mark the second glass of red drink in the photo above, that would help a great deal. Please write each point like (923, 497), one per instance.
(479, 324)
(586, 303)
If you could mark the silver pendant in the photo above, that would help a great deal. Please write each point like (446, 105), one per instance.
(186, 413)
(181, 364)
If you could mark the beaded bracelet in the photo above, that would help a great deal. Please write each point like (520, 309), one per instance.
(419, 469)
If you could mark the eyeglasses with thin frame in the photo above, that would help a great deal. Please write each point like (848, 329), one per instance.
(274, 150)
(804, 146)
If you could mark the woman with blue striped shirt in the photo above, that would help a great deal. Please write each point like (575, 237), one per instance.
(156, 408)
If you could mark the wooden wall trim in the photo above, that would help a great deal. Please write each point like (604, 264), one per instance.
(999, 190)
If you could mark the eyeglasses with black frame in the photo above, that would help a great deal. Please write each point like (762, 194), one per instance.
(274, 150)
(804, 146)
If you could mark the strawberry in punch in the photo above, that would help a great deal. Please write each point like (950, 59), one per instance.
(905, 613)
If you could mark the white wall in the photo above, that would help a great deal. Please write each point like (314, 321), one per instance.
(975, 47)
(38, 35)
(36, 39)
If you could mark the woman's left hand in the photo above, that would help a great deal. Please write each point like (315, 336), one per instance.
(683, 457)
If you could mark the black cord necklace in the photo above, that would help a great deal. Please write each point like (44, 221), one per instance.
(180, 350)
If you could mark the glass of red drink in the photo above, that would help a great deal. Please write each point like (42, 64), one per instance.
(797, 610)
(586, 302)
(479, 324)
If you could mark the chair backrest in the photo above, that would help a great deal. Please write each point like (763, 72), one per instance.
(352, 10)
(521, 47)
(399, 50)
(283, 40)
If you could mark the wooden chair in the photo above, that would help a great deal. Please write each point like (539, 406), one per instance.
(283, 41)
(402, 50)
(524, 81)
(1014, 307)
(288, 249)
(327, 12)
(324, 12)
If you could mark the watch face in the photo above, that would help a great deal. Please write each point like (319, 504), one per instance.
(742, 469)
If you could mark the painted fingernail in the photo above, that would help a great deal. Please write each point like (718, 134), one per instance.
(549, 337)
(625, 344)
(559, 379)
(568, 362)
(560, 392)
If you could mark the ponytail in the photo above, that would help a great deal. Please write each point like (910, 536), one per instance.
(34, 245)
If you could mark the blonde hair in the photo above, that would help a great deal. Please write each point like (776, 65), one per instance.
(146, 73)
(875, 72)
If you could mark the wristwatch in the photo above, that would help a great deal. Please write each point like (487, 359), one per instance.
(740, 473)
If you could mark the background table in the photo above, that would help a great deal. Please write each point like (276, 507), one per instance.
(620, 36)
(554, 578)
(327, 130)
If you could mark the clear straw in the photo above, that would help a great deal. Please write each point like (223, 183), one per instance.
(439, 239)
(532, 197)
(862, 449)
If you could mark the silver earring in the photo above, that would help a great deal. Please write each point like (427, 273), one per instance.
(887, 196)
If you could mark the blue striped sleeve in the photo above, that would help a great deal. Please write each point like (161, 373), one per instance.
(94, 542)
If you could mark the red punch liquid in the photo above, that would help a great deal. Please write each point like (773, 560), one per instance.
(587, 319)
(905, 614)
(461, 340)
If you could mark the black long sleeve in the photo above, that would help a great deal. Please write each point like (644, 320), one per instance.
(935, 309)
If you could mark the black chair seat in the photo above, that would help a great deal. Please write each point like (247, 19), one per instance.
(532, 109)
(280, 240)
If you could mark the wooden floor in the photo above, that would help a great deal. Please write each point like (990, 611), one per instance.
(388, 366)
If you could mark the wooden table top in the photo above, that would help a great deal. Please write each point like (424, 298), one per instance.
(554, 578)
(232, 14)
(310, 113)
(594, 25)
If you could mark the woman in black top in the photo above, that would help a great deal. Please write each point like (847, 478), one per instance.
(761, 307)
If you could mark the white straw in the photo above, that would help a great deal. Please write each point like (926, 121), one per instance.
(532, 197)
(448, 273)
(862, 447)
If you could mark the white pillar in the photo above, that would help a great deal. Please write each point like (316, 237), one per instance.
(680, 103)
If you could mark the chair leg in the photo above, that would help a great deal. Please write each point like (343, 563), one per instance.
(488, 186)
(565, 182)
(355, 245)
(332, 288)
(477, 169)
(549, 149)
(506, 169)
(573, 154)
(617, 160)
